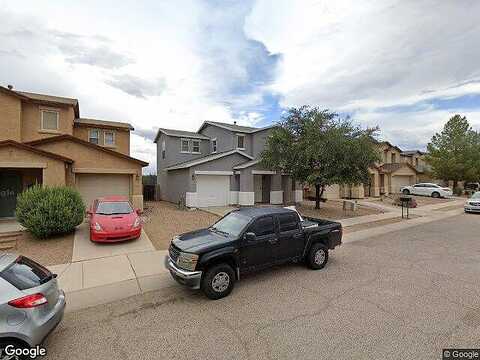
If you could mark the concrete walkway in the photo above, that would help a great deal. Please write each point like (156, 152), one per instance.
(84, 249)
(7, 226)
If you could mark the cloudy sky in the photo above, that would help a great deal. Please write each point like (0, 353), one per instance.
(404, 65)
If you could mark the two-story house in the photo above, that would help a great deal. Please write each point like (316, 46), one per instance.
(219, 165)
(43, 140)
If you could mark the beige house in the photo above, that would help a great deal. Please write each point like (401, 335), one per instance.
(45, 141)
(396, 168)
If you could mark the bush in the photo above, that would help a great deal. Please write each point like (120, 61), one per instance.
(458, 191)
(47, 211)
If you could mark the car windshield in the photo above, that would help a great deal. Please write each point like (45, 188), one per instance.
(232, 224)
(476, 195)
(113, 208)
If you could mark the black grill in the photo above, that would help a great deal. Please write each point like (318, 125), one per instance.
(174, 252)
(475, 203)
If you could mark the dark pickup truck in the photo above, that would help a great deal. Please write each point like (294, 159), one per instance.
(247, 240)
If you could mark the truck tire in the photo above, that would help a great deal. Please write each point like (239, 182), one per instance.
(317, 257)
(218, 281)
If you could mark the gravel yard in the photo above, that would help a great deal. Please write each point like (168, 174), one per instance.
(333, 210)
(52, 251)
(163, 220)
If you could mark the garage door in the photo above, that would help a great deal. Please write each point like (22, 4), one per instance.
(213, 190)
(92, 186)
(399, 181)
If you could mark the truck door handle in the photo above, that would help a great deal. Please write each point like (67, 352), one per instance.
(273, 240)
(297, 236)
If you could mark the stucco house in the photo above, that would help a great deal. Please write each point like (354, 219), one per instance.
(219, 165)
(45, 141)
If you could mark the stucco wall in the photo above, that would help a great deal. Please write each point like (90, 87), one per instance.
(259, 141)
(10, 115)
(227, 140)
(31, 121)
(122, 138)
(178, 183)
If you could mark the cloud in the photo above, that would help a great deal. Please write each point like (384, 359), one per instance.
(136, 86)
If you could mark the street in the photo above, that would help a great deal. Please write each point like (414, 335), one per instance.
(402, 295)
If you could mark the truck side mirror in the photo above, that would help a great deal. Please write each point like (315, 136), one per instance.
(250, 236)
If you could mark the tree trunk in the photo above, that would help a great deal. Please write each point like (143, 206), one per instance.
(317, 196)
(455, 184)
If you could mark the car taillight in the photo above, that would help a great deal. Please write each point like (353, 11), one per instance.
(29, 301)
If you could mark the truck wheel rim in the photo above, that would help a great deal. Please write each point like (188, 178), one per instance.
(220, 281)
(319, 257)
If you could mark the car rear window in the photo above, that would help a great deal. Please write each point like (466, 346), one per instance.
(26, 274)
(113, 208)
(288, 222)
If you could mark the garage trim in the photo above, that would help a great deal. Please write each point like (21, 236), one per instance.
(205, 172)
(104, 171)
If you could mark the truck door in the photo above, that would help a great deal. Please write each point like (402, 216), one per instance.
(259, 252)
(290, 237)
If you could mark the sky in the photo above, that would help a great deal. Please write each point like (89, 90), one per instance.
(403, 65)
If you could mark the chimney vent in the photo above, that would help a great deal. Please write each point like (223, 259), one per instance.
(10, 87)
(234, 122)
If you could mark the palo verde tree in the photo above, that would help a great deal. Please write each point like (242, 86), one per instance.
(453, 153)
(320, 148)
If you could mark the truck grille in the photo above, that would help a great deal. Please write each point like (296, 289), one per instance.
(173, 252)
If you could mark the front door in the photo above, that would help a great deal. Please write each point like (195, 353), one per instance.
(10, 187)
(260, 252)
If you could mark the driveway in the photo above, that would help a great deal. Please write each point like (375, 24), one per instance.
(404, 295)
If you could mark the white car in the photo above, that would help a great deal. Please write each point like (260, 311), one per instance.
(427, 189)
(473, 204)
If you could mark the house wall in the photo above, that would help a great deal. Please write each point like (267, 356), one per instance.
(226, 139)
(178, 182)
(122, 137)
(259, 139)
(10, 115)
(31, 121)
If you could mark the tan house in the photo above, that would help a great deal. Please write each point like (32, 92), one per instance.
(45, 141)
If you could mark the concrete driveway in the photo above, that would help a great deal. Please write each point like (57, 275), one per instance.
(404, 295)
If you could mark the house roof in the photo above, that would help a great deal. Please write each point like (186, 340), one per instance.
(247, 164)
(180, 133)
(86, 143)
(235, 127)
(390, 145)
(412, 152)
(103, 123)
(35, 150)
(190, 163)
(391, 168)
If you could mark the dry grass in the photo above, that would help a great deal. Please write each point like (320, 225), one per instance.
(163, 220)
(51, 251)
(333, 210)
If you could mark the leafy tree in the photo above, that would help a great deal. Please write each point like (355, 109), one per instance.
(454, 152)
(320, 148)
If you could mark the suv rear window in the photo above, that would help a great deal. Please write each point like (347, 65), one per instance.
(288, 222)
(25, 274)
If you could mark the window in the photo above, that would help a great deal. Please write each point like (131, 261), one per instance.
(232, 224)
(394, 158)
(163, 149)
(114, 208)
(25, 274)
(196, 146)
(109, 138)
(288, 222)
(419, 185)
(94, 135)
(263, 226)
(241, 142)
(49, 120)
(214, 145)
(185, 146)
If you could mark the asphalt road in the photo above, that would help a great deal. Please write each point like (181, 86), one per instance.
(404, 295)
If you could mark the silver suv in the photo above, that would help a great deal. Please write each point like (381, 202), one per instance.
(31, 304)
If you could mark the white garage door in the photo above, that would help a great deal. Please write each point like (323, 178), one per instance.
(213, 190)
(399, 181)
(92, 186)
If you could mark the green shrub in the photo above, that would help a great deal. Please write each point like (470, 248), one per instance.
(458, 191)
(47, 211)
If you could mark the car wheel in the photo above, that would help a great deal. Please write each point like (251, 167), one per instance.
(317, 257)
(218, 281)
(406, 192)
(435, 194)
(3, 356)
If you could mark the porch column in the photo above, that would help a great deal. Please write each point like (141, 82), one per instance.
(376, 185)
(276, 192)
(298, 193)
(246, 195)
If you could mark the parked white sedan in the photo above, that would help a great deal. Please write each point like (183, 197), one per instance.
(427, 189)
(473, 204)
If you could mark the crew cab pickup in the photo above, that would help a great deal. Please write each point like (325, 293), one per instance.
(247, 240)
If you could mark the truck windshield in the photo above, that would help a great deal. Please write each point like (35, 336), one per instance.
(232, 224)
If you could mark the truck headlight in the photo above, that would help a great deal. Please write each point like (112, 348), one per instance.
(187, 261)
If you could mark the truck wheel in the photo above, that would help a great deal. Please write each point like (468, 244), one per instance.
(317, 257)
(218, 281)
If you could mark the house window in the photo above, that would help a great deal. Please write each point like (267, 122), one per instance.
(163, 149)
(185, 146)
(109, 138)
(214, 145)
(241, 142)
(49, 120)
(394, 158)
(196, 146)
(94, 135)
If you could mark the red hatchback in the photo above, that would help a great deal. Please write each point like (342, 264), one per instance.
(113, 219)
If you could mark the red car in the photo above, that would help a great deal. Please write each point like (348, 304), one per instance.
(112, 219)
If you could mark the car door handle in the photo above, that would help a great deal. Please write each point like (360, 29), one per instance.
(297, 236)
(273, 240)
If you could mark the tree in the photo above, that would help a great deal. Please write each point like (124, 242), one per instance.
(320, 148)
(453, 153)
